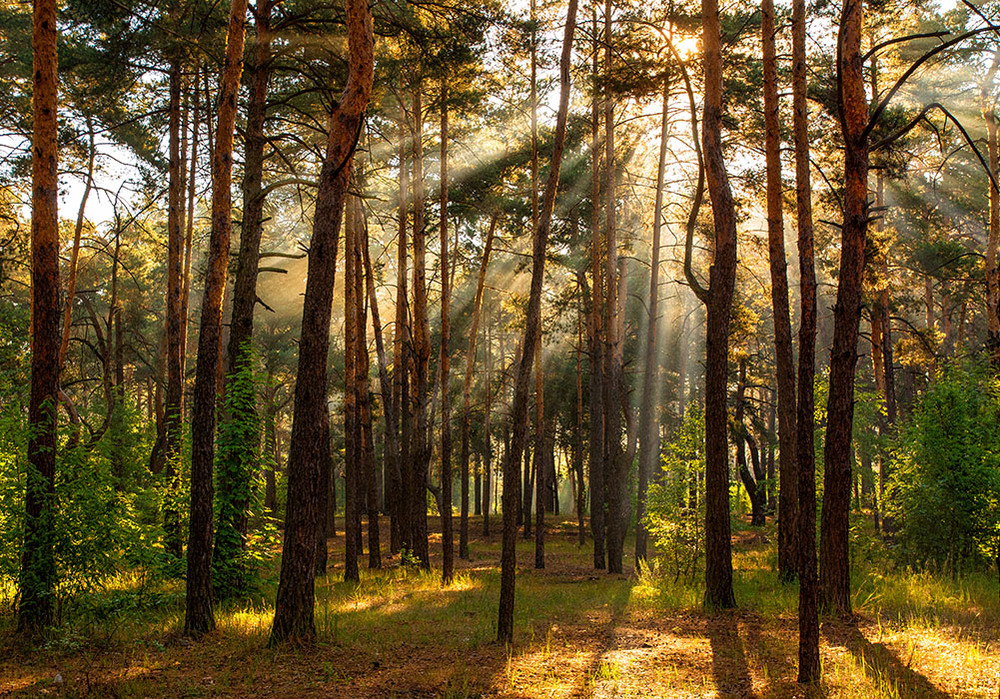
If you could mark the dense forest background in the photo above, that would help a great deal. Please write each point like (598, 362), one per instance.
(419, 274)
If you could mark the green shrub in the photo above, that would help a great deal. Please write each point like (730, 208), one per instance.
(945, 487)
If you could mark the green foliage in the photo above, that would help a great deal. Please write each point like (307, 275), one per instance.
(945, 486)
(239, 465)
(676, 501)
(103, 522)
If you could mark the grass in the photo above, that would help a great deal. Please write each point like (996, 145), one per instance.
(579, 633)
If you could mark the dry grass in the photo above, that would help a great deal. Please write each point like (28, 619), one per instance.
(580, 633)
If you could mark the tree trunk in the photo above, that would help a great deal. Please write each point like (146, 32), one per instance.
(988, 107)
(420, 455)
(595, 333)
(539, 457)
(199, 616)
(750, 482)
(173, 407)
(784, 364)
(487, 434)
(293, 612)
(809, 667)
(834, 572)
(236, 468)
(399, 536)
(718, 548)
(353, 436)
(470, 364)
(519, 412)
(649, 433)
(38, 568)
(447, 537)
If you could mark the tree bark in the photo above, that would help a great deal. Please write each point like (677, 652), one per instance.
(235, 478)
(834, 563)
(722, 276)
(293, 613)
(519, 412)
(38, 568)
(173, 406)
(420, 454)
(649, 433)
(988, 108)
(809, 667)
(784, 364)
(447, 536)
(199, 617)
(595, 328)
(470, 365)
(400, 529)
(353, 435)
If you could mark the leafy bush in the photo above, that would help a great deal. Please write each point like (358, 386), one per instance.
(945, 488)
(676, 500)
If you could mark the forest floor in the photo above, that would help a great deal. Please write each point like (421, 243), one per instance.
(579, 633)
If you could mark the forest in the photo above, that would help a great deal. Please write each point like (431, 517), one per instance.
(534, 348)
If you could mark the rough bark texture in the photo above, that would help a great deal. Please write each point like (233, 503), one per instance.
(370, 478)
(784, 365)
(595, 332)
(722, 277)
(809, 667)
(38, 568)
(834, 562)
(420, 449)
(176, 322)
(400, 483)
(519, 412)
(615, 473)
(353, 437)
(649, 433)
(235, 480)
(470, 365)
(293, 613)
(447, 536)
(199, 617)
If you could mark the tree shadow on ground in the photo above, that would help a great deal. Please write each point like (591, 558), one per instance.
(730, 670)
(881, 664)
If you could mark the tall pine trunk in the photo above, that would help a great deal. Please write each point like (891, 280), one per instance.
(649, 433)
(809, 667)
(199, 617)
(38, 568)
(722, 277)
(447, 536)
(784, 365)
(519, 411)
(470, 365)
(834, 562)
(293, 612)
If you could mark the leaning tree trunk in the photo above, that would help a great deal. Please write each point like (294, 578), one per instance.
(470, 365)
(240, 427)
(38, 568)
(784, 364)
(293, 611)
(173, 407)
(649, 434)
(834, 562)
(722, 277)
(199, 617)
(519, 411)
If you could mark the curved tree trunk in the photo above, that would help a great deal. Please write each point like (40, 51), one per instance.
(834, 562)
(293, 612)
(519, 411)
(722, 278)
